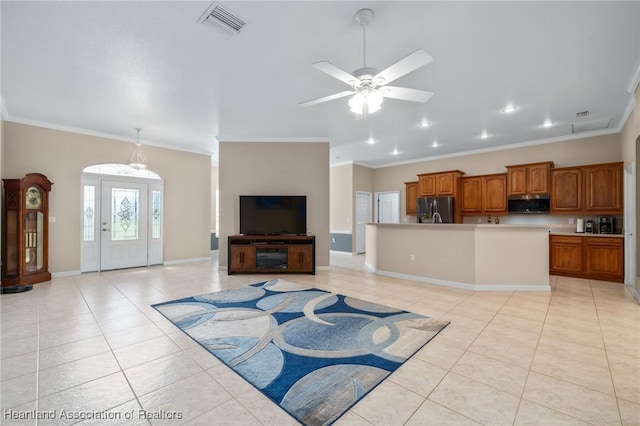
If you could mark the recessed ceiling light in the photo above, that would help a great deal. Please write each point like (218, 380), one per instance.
(371, 141)
(424, 123)
(435, 144)
(547, 123)
(509, 109)
(395, 151)
(484, 135)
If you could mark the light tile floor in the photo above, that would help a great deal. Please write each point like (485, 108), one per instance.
(92, 346)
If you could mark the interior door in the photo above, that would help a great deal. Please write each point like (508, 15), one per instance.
(123, 225)
(363, 216)
(388, 207)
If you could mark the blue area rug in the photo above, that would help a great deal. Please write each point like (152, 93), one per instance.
(312, 352)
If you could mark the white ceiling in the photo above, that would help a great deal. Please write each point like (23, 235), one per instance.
(108, 67)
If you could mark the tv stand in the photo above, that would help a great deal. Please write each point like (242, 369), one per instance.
(271, 254)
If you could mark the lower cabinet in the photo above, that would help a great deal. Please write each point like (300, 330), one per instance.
(271, 254)
(605, 258)
(599, 258)
(567, 255)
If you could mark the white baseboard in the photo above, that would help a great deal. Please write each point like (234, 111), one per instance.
(634, 292)
(65, 274)
(179, 261)
(463, 286)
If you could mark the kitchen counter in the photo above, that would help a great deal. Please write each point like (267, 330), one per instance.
(584, 234)
(479, 257)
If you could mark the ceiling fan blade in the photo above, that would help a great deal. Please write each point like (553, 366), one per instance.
(335, 72)
(409, 63)
(327, 98)
(405, 94)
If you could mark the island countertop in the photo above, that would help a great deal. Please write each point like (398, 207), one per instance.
(470, 256)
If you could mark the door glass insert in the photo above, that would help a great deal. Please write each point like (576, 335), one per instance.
(124, 214)
(155, 214)
(89, 213)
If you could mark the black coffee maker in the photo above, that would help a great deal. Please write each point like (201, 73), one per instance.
(606, 225)
(588, 226)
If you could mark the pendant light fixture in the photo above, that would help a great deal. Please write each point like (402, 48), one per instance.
(138, 160)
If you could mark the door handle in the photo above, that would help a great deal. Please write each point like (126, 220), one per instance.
(105, 229)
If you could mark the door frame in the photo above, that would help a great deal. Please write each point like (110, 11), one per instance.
(370, 212)
(153, 244)
(630, 174)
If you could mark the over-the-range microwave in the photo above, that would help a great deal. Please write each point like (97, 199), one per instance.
(528, 204)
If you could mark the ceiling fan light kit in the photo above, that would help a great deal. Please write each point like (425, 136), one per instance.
(368, 85)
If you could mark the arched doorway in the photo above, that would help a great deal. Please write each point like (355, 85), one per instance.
(122, 216)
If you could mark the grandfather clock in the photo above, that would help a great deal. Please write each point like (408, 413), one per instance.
(25, 230)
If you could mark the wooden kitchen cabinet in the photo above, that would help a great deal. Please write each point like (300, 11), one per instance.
(471, 195)
(427, 185)
(605, 258)
(566, 255)
(411, 197)
(484, 194)
(604, 189)
(439, 184)
(567, 190)
(600, 258)
(494, 194)
(529, 179)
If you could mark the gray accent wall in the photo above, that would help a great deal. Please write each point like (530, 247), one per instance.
(341, 242)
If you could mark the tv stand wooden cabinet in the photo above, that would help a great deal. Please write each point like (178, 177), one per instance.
(271, 254)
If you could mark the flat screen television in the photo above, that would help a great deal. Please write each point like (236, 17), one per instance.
(273, 214)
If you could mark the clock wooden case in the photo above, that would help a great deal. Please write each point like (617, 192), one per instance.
(25, 230)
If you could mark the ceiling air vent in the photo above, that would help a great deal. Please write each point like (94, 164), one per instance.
(582, 114)
(221, 18)
(587, 126)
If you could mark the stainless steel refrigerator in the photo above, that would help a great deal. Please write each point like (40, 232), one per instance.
(435, 210)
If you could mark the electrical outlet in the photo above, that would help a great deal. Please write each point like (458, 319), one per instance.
(572, 221)
(479, 220)
(412, 257)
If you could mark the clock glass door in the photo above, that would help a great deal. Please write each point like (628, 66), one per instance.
(123, 225)
(34, 241)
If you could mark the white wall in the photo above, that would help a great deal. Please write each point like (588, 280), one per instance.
(275, 168)
(62, 156)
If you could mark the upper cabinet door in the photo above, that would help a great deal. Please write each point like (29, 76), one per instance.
(517, 181)
(603, 184)
(446, 184)
(427, 185)
(472, 195)
(567, 190)
(494, 194)
(411, 197)
(529, 179)
(538, 178)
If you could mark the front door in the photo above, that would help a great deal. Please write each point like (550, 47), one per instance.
(123, 225)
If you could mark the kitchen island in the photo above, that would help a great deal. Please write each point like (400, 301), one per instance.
(471, 257)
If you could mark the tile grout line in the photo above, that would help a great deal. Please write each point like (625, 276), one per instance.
(606, 354)
(109, 345)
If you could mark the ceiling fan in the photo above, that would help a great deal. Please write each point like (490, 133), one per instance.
(368, 85)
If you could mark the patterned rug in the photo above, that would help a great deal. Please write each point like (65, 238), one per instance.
(312, 352)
